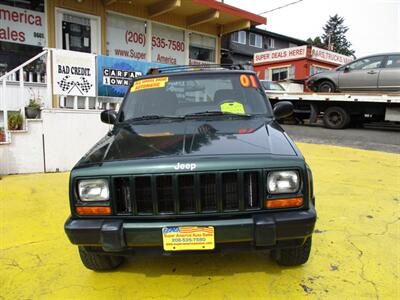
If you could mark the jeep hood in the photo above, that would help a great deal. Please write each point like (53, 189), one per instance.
(166, 138)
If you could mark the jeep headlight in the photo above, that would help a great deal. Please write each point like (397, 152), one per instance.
(93, 190)
(283, 182)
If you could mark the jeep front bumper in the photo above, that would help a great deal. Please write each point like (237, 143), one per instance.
(269, 230)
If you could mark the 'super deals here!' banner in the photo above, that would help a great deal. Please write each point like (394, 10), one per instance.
(116, 74)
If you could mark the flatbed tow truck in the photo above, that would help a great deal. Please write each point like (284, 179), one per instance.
(338, 110)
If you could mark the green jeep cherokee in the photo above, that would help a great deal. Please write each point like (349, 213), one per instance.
(195, 162)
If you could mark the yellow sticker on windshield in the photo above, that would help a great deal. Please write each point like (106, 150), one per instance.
(150, 83)
(232, 107)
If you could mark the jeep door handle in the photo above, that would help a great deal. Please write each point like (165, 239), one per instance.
(372, 72)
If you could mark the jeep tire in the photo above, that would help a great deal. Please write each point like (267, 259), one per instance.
(293, 256)
(99, 262)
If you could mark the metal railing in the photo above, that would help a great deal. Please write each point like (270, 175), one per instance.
(18, 85)
(18, 73)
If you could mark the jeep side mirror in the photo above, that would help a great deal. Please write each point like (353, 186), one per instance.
(346, 70)
(283, 109)
(108, 116)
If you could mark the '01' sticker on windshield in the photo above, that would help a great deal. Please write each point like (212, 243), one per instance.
(150, 83)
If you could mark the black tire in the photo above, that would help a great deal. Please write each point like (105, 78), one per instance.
(336, 117)
(293, 256)
(99, 262)
(326, 86)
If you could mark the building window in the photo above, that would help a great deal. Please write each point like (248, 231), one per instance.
(317, 69)
(255, 40)
(291, 45)
(22, 34)
(278, 74)
(239, 37)
(270, 43)
(201, 48)
(123, 43)
(282, 73)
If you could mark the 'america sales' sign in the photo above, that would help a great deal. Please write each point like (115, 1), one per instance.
(22, 26)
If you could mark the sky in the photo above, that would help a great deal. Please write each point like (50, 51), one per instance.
(374, 25)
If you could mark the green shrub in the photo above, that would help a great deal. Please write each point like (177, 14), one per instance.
(33, 103)
(15, 121)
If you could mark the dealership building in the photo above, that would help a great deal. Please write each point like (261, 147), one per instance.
(163, 31)
(76, 57)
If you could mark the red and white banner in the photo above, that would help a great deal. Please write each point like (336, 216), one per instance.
(280, 55)
(22, 26)
(329, 56)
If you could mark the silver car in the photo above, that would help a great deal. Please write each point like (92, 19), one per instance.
(272, 86)
(380, 72)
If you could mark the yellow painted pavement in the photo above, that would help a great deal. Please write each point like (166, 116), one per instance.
(355, 254)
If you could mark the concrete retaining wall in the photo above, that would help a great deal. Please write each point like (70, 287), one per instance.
(65, 134)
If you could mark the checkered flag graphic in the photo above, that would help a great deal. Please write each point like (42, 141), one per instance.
(64, 84)
(84, 85)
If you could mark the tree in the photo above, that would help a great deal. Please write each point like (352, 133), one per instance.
(316, 42)
(334, 37)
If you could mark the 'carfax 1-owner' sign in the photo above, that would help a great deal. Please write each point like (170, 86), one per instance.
(116, 74)
(74, 73)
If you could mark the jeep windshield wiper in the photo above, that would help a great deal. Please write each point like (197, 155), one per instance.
(216, 113)
(151, 117)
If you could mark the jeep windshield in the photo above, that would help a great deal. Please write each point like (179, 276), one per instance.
(195, 96)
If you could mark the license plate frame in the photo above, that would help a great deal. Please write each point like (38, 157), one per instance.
(188, 238)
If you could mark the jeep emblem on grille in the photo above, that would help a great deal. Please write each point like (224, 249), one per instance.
(190, 167)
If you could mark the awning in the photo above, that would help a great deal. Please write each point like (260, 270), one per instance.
(225, 17)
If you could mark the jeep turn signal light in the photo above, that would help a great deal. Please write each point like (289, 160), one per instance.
(93, 210)
(283, 203)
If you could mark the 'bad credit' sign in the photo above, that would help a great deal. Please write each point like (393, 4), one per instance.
(74, 73)
(22, 26)
(281, 54)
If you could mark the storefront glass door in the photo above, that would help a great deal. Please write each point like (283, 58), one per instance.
(77, 32)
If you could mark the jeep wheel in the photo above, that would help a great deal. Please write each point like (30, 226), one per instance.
(99, 262)
(293, 256)
(326, 87)
(336, 117)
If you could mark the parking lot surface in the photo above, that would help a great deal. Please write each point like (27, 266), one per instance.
(380, 139)
(355, 254)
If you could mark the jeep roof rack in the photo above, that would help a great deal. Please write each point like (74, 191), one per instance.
(201, 67)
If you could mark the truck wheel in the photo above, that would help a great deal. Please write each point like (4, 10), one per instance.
(293, 256)
(336, 117)
(326, 87)
(99, 262)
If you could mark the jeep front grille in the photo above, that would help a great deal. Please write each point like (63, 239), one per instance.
(185, 194)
